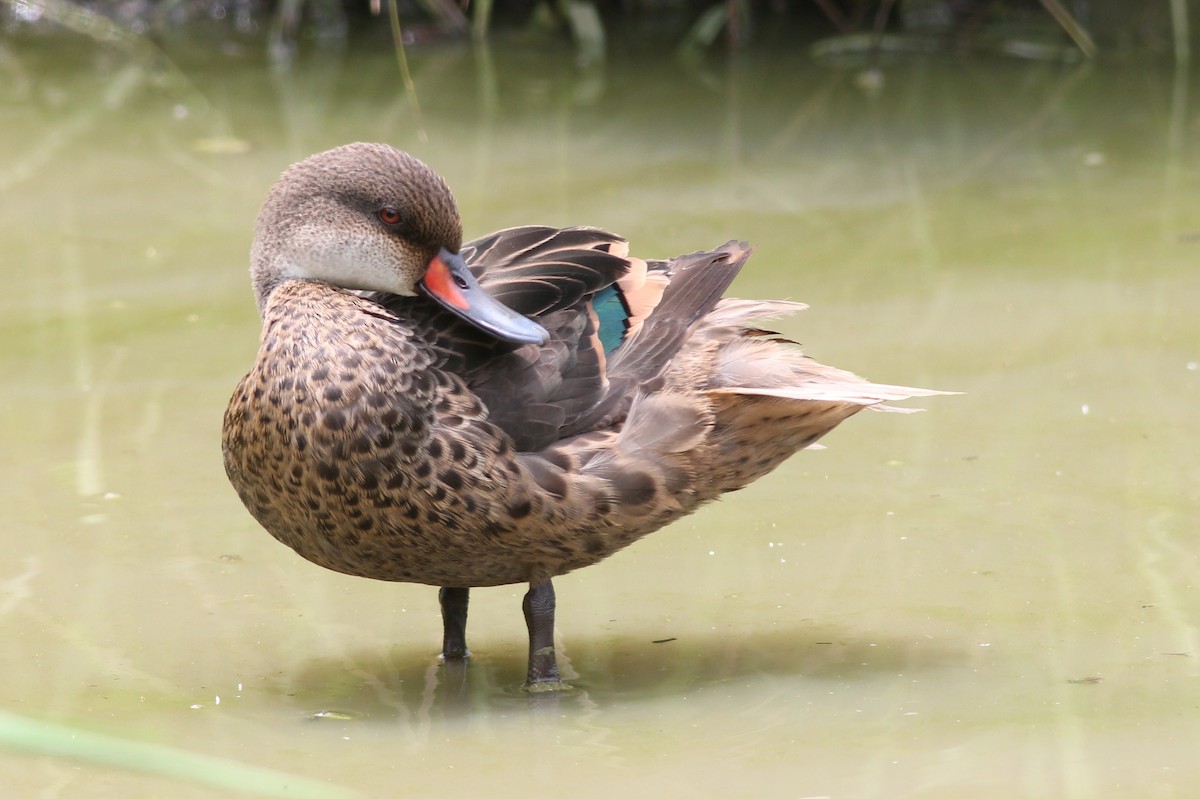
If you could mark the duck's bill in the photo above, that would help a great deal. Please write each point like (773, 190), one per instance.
(449, 283)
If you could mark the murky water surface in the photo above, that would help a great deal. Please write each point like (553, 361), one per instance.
(996, 598)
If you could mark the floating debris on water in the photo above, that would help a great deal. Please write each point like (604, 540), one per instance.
(335, 715)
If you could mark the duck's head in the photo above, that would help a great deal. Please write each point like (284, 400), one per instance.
(370, 217)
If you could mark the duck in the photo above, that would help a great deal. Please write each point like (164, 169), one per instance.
(503, 411)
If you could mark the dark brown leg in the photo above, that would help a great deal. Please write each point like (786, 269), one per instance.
(539, 618)
(454, 622)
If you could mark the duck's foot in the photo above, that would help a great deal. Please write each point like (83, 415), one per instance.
(543, 673)
(454, 622)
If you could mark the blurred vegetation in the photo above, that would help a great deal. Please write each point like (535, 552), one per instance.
(34, 736)
(1041, 29)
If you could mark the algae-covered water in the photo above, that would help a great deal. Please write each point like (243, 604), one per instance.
(995, 598)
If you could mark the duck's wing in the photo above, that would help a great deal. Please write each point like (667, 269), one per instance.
(691, 286)
(614, 322)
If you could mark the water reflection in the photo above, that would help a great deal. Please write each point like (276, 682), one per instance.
(408, 686)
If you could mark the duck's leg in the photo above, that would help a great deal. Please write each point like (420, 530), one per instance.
(454, 622)
(539, 618)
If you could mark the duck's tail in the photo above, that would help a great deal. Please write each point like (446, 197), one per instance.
(770, 399)
(753, 361)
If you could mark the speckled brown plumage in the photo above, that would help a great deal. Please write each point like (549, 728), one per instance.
(379, 435)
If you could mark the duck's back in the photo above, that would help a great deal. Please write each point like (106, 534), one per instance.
(650, 383)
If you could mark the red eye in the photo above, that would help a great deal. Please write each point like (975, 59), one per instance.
(389, 216)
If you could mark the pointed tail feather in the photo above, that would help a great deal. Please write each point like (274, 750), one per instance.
(856, 392)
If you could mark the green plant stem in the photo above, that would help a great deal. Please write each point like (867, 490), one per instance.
(37, 737)
(402, 59)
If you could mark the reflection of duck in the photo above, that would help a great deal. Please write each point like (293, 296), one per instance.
(406, 420)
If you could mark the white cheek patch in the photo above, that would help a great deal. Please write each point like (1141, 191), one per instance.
(357, 260)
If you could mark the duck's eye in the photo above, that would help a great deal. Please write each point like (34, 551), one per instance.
(389, 216)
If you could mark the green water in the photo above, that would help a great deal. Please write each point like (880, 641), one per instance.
(996, 598)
